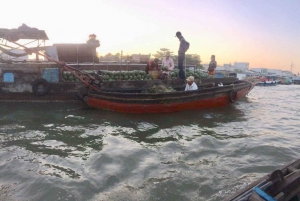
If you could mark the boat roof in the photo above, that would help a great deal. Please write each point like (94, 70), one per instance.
(30, 33)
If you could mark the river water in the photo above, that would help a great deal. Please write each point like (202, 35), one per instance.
(69, 152)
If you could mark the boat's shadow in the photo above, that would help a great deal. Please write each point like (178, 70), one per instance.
(153, 128)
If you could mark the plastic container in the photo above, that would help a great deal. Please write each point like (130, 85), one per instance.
(8, 77)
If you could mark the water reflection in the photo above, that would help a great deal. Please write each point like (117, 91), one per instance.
(72, 142)
(72, 127)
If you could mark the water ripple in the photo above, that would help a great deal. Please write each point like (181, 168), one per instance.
(74, 153)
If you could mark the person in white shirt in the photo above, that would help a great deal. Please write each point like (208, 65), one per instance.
(190, 85)
(167, 65)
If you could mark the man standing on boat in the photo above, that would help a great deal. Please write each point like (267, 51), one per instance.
(183, 47)
(151, 65)
(167, 65)
(212, 66)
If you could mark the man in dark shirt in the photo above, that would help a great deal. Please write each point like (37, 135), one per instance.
(151, 65)
(181, 54)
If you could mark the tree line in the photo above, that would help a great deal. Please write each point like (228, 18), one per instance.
(191, 59)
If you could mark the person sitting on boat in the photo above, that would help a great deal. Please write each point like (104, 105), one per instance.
(151, 65)
(190, 85)
(167, 65)
(212, 66)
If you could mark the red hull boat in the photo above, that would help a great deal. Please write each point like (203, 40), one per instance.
(131, 100)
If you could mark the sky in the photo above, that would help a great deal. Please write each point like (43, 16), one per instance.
(265, 33)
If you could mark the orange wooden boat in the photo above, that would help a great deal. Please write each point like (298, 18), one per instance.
(127, 97)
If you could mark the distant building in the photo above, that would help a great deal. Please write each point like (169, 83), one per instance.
(287, 74)
(260, 70)
(274, 72)
(242, 70)
(241, 66)
(224, 68)
(227, 65)
(252, 73)
(140, 58)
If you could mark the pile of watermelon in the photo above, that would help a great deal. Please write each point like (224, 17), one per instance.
(125, 75)
(69, 77)
(130, 75)
(196, 74)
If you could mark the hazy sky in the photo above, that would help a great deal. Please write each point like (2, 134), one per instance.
(265, 33)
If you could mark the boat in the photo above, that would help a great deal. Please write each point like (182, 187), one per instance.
(282, 184)
(285, 81)
(129, 97)
(46, 83)
(267, 81)
(296, 80)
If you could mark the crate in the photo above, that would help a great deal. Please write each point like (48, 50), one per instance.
(51, 74)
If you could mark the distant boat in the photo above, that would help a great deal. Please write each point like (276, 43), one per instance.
(285, 81)
(296, 80)
(267, 81)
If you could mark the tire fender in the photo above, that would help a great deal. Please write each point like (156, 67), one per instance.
(232, 95)
(41, 87)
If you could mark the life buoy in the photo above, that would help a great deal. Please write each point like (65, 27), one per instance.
(232, 95)
(41, 87)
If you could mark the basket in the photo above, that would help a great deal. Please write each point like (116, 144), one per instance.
(155, 74)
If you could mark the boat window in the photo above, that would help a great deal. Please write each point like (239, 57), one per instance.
(8, 77)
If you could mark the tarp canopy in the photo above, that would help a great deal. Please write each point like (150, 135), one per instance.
(23, 32)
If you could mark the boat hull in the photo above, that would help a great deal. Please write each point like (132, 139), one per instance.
(281, 184)
(168, 102)
(267, 83)
(296, 81)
